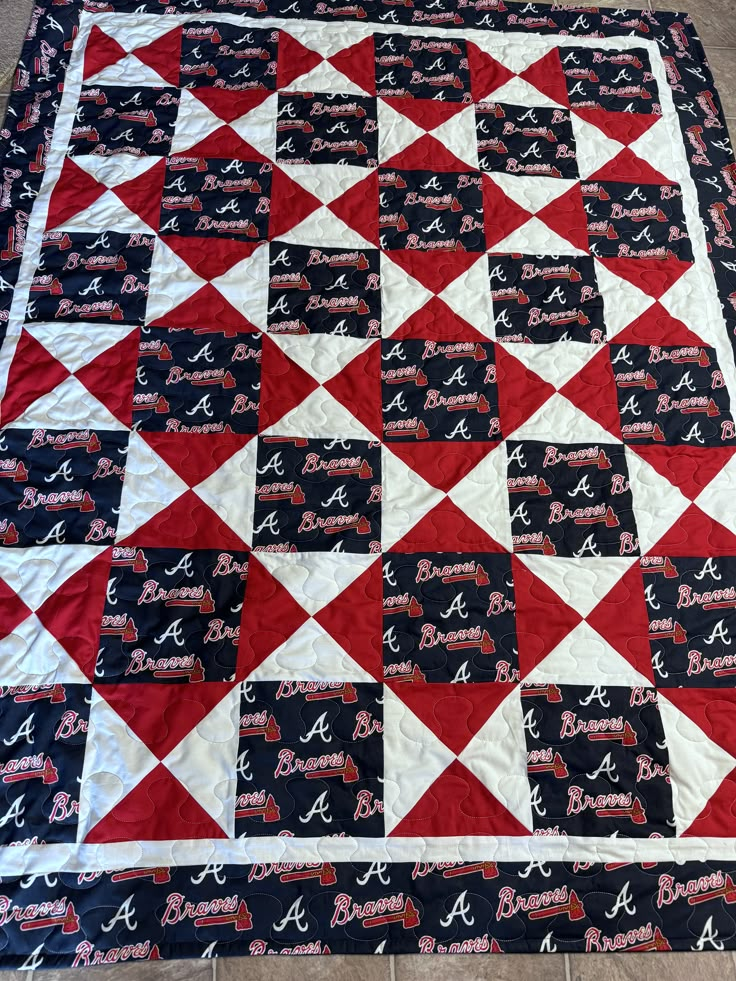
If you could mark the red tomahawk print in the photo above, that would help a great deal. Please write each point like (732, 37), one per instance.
(47, 773)
(325, 873)
(364, 471)
(348, 771)
(408, 917)
(56, 693)
(346, 693)
(489, 870)
(485, 645)
(127, 631)
(159, 876)
(557, 766)
(551, 692)
(295, 496)
(726, 892)
(204, 604)
(626, 736)
(479, 577)
(676, 633)
(271, 731)
(240, 919)
(420, 431)
(137, 562)
(658, 942)
(270, 811)
(361, 524)
(609, 519)
(657, 565)
(548, 547)
(635, 811)
(414, 608)
(68, 921)
(573, 908)
(195, 674)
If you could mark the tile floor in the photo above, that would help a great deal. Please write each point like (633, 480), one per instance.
(717, 27)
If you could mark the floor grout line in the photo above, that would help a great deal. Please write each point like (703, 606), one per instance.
(566, 955)
(392, 966)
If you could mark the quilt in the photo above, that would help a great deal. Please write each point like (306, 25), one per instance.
(367, 482)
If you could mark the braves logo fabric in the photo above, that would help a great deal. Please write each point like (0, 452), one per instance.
(367, 530)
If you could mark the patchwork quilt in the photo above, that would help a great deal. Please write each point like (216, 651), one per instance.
(368, 482)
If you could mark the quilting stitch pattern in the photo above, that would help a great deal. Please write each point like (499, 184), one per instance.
(379, 380)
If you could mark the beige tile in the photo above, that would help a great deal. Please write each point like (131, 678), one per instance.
(190, 970)
(335, 967)
(480, 967)
(708, 966)
(722, 62)
(713, 19)
(15, 16)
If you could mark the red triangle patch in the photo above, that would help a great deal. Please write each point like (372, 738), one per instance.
(294, 60)
(290, 203)
(718, 817)
(520, 391)
(101, 52)
(358, 63)
(458, 805)
(159, 808)
(689, 468)
(284, 384)
(426, 148)
(74, 191)
(210, 257)
(436, 321)
(196, 456)
(227, 104)
(163, 55)
(629, 168)
(652, 276)
(593, 391)
(272, 615)
(486, 74)
(622, 126)
(358, 208)
(621, 618)
(442, 464)
(142, 194)
(425, 268)
(547, 76)
(111, 377)
(226, 143)
(186, 523)
(162, 715)
(657, 326)
(447, 529)
(355, 619)
(696, 533)
(501, 215)
(73, 612)
(566, 217)
(427, 113)
(206, 307)
(358, 388)
(454, 713)
(34, 372)
(536, 603)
